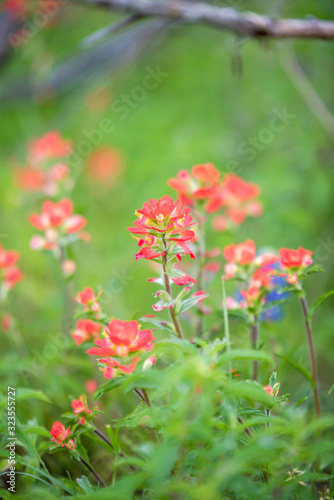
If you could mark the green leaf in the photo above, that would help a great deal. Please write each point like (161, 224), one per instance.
(313, 269)
(24, 393)
(191, 302)
(174, 346)
(109, 386)
(331, 390)
(85, 484)
(298, 367)
(299, 402)
(273, 379)
(319, 301)
(35, 429)
(250, 391)
(245, 354)
(149, 380)
(161, 325)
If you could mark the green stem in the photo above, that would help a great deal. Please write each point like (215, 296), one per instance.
(312, 353)
(68, 295)
(255, 338)
(226, 325)
(201, 253)
(168, 290)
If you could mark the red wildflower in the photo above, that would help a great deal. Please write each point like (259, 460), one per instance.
(8, 257)
(148, 253)
(295, 258)
(29, 179)
(37, 179)
(88, 300)
(80, 408)
(251, 294)
(219, 223)
(85, 330)
(122, 338)
(6, 322)
(12, 276)
(231, 303)
(183, 280)
(212, 267)
(234, 193)
(262, 277)
(105, 165)
(60, 434)
(113, 367)
(68, 267)
(269, 390)
(292, 279)
(198, 186)
(48, 147)
(91, 386)
(242, 254)
(164, 217)
(59, 214)
(56, 219)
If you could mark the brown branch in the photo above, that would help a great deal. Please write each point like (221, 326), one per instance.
(306, 90)
(249, 24)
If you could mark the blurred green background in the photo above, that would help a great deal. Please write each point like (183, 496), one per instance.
(219, 93)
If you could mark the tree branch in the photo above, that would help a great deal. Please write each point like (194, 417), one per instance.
(249, 24)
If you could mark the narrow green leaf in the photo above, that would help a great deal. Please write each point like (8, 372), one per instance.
(245, 354)
(108, 386)
(298, 367)
(301, 400)
(319, 301)
(24, 393)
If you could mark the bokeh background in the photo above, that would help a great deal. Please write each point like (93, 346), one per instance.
(217, 94)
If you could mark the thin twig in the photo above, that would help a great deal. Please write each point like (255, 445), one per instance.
(227, 18)
(104, 438)
(95, 474)
(299, 79)
(140, 394)
(110, 30)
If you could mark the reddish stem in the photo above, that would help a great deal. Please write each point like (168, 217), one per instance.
(95, 474)
(312, 354)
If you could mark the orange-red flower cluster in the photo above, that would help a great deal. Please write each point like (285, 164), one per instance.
(59, 224)
(10, 274)
(204, 186)
(242, 263)
(105, 166)
(80, 408)
(122, 339)
(161, 222)
(89, 300)
(293, 263)
(86, 329)
(46, 168)
(60, 436)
